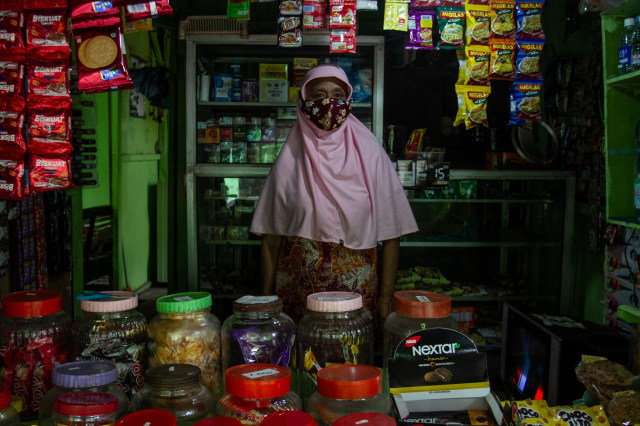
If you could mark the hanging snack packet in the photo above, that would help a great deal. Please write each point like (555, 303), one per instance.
(290, 31)
(342, 41)
(525, 102)
(451, 26)
(11, 41)
(478, 60)
(462, 67)
(290, 7)
(101, 60)
(580, 414)
(454, 3)
(11, 5)
(48, 83)
(45, 4)
(529, 16)
(531, 409)
(11, 173)
(238, 9)
(475, 102)
(50, 168)
(396, 16)
(147, 10)
(94, 14)
(421, 24)
(478, 25)
(342, 14)
(528, 59)
(478, 2)
(47, 34)
(46, 125)
(503, 59)
(11, 122)
(314, 14)
(426, 3)
(11, 77)
(461, 113)
(503, 19)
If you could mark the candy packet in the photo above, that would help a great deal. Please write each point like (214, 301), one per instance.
(421, 25)
(451, 27)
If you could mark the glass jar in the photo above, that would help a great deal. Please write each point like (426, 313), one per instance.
(86, 376)
(111, 329)
(253, 391)
(335, 330)
(186, 332)
(8, 415)
(360, 419)
(177, 389)
(347, 389)
(34, 336)
(150, 417)
(289, 418)
(85, 409)
(257, 332)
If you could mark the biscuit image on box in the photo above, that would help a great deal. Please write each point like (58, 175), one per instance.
(439, 375)
(98, 52)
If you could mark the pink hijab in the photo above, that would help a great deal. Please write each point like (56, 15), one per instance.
(333, 186)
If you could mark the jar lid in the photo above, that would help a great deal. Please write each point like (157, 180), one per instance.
(349, 381)
(170, 375)
(257, 381)
(85, 403)
(116, 302)
(219, 421)
(421, 304)
(183, 302)
(148, 417)
(334, 301)
(28, 304)
(5, 397)
(289, 418)
(359, 419)
(84, 374)
(257, 304)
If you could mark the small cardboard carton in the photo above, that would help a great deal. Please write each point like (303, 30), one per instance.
(274, 90)
(438, 372)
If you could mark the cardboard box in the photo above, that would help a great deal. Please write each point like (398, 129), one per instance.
(273, 72)
(274, 90)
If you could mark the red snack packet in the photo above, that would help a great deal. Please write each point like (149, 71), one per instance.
(11, 76)
(11, 41)
(102, 64)
(94, 14)
(12, 5)
(342, 14)
(45, 4)
(342, 41)
(50, 167)
(48, 126)
(47, 34)
(48, 83)
(11, 173)
(314, 14)
(11, 123)
(152, 9)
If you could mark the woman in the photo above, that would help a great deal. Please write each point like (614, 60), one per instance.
(331, 196)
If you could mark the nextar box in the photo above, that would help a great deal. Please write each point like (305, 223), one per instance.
(437, 376)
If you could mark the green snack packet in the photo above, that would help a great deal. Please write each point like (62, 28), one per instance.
(451, 27)
(238, 9)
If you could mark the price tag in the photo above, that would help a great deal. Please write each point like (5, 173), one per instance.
(437, 176)
(261, 373)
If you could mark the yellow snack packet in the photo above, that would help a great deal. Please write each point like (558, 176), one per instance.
(534, 412)
(461, 113)
(475, 102)
(462, 66)
(580, 415)
(478, 25)
(478, 65)
(396, 16)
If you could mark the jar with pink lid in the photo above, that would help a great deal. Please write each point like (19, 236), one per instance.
(336, 329)
(111, 329)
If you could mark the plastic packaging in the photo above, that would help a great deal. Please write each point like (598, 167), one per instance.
(335, 330)
(289, 418)
(177, 389)
(635, 46)
(34, 337)
(111, 329)
(186, 332)
(626, 44)
(257, 332)
(86, 376)
(253, 391)
(150, 417)
(347, 389)
(8, 415)
(365, 419)
(85, 409)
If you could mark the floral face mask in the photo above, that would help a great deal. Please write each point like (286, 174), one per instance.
(327, 113)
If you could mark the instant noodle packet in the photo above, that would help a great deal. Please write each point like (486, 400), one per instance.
(461, 113)
(421, 24)
(396, 16)
(94, 14)
(11, 42)
(475, 102)
(11, 173)
(503, 59)
(451, 27)
(147, 10)
(477, 67)
(478, 25)
(525, 101)
(50, 167)
(462, 67)
(342, 41)
(48, 35)
(580, 415)
(528, 59)
(503, 19)
(529, 17)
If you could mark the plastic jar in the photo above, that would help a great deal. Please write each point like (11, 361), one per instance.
(111, 329)
(253, 391)
(150, 417)
(335, 330)
(257, 332)
(34, 336)
(8, 415)
(177, 389)
(85, 409)
(289, 418)
(86, 376)
(347, 389)
(186, 332)
(365, 419)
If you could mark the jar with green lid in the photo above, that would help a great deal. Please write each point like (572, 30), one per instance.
(111, 329)
(8, 415)
(257, 332)
(186, 332)
(177, 389)
(34, 337)
(85, 409)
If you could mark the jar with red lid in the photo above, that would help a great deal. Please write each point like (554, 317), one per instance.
(111, 329)
(253, 391)
(85, 409)
(336, 329)
(34, 337)
(289, 418)
(149, 417)
(347, 389)
(218, 421)
(8, 415)
(365, 419)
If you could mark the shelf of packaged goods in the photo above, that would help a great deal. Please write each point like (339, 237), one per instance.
(232, 242)
(268, 105)
(472, 244)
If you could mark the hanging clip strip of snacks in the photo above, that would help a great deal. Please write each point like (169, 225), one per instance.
(290, 23)
(342, 25)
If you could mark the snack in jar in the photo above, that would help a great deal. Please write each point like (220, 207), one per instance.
(289, 418)
(347, 389)
(111, 329)
(253, 391)
(149, 417)
(85, 376)
(177, 389)
(85, 409)
(186, 332)
(8, 415)
(34, 337)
